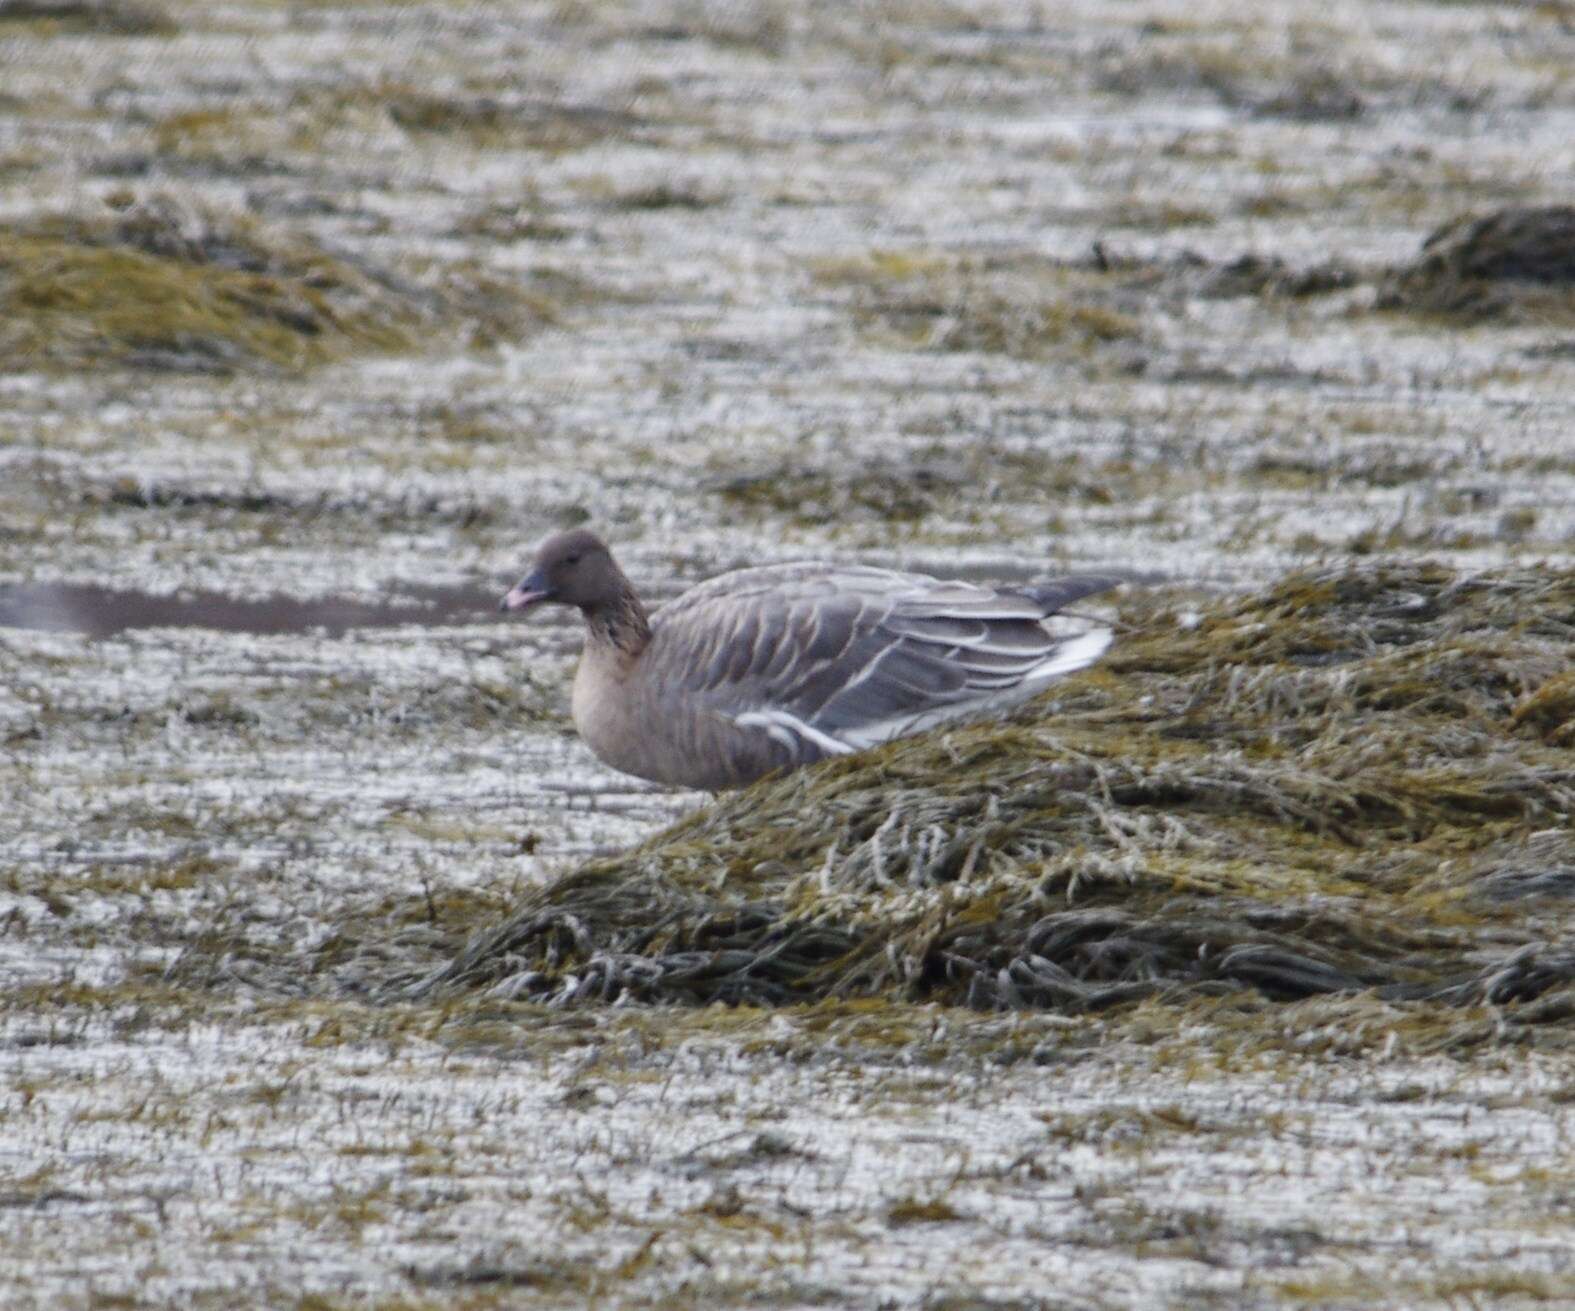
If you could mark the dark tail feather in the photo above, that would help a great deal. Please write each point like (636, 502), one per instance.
(1061, 592)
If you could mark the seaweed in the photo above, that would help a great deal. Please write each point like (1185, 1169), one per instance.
(1514, 265)
(159, 284)
(1021, 306)
(96, 17)
(1347, 783)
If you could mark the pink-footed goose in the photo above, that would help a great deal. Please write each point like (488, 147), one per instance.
(776, 667)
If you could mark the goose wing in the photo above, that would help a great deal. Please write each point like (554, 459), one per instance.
(828, 660)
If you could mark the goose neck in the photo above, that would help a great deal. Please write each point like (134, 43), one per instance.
(619, 622)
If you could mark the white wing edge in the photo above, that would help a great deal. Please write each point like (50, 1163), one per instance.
(788, 729)
(1075, 653)
(782, 726)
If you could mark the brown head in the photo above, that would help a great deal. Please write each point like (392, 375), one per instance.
(573, 568)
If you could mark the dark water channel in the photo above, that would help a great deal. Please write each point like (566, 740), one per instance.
(103, 612)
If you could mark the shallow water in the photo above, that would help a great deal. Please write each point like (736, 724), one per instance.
(819, 284)
(101, 612)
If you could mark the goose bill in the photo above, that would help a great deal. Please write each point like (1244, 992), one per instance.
(525, 594)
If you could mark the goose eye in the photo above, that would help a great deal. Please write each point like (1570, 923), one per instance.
(572, 559)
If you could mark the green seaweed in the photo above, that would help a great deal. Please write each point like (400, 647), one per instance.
(1021, 306)
(155, 284)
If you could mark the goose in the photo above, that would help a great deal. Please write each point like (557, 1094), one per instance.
(775, 667)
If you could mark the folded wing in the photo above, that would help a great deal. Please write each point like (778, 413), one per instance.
(826, 661)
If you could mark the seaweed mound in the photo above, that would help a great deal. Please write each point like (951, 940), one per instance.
(107, 17)
(159, 284)
(1515, 264)
(1359, 780)
(163, 285)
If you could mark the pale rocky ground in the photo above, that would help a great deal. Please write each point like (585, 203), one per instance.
(802, 280)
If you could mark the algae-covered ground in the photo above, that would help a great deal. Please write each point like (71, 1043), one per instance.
(1358, 782)
(1235, 973)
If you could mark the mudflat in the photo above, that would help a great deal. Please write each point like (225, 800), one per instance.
(1235, 972)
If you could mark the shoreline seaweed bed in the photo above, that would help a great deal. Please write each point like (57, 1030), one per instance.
(1356, 782)
(159, 284)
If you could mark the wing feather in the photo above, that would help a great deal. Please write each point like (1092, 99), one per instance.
(836, 659)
